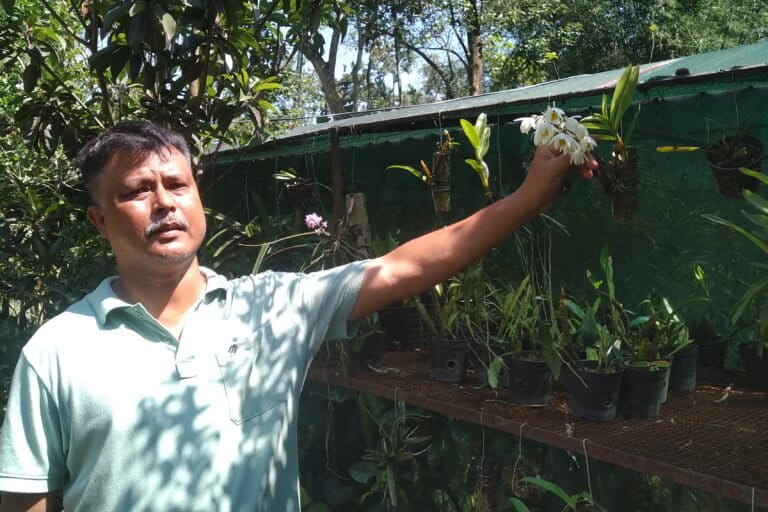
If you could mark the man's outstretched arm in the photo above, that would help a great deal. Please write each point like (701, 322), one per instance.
(12, 502)
(432, 258)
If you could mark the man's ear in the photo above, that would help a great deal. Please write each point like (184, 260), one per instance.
(96, 217)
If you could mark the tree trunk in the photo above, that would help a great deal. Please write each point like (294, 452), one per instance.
(327, 83)
(475, 42)
(397, 82)
(362, 40)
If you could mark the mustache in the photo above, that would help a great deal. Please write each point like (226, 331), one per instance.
(168, 222)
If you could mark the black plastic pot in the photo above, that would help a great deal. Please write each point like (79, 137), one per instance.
(710, 360)
(449, 360)
(403, 325)
(682, 376)
(642, 390)
(730, 180)
(755, 366)
(665, 388)
(593, 394)
(529, 381)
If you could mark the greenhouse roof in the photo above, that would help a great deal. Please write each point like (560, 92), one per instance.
(742, 66)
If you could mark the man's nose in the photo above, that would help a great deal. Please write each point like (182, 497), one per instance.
(164, 199)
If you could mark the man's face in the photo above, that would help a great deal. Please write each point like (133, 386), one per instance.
(148, 208)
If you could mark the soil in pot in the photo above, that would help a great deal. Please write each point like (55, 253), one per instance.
(710, 360)
(755, 366)
(449, 360)
(592, 394)
(642, 390)
(682, 376)
(727, 156)
(529, 381)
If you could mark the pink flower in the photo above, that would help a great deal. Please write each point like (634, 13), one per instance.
(316, 222)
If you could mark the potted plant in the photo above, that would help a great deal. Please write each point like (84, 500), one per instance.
(528, 344)
(594, 373)
(439, 177)
(300, 190)
(705, 356)
(618, 173)
(726, 155)
(730, 153)
(653, 340)
(753, 351)
(447, 321)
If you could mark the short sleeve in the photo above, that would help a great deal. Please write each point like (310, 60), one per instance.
(32, 458)
(332, 294)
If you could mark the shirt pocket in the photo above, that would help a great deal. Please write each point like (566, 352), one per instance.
(251, 389)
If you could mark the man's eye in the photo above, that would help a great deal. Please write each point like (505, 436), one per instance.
(138, 191)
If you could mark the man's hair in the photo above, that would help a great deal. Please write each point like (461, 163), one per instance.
(132, 137)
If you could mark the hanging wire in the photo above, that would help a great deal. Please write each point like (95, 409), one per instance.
(586, 463)
(498, 152)
(519, 453)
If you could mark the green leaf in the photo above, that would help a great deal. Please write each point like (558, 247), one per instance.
(553, 488)
(115, 14)
(470, 132)
(410, 169)
(755, 174)
(137, 31)
(8, 6)
(752, 293)
(31, 75)
(756, 200)
(623, 94)
(485, 142)
(718, 220)
(362, 472)
(263, 86)
(519, 505)
(137, 8)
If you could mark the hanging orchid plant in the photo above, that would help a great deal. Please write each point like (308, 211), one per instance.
(479, 136)
(564, 133)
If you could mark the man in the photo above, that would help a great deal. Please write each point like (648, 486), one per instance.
(170, 387)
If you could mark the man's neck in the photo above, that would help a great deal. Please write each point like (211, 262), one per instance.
(167, 292)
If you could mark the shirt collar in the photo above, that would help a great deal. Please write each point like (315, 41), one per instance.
(103, 299)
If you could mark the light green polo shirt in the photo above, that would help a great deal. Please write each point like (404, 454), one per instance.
(108, 406)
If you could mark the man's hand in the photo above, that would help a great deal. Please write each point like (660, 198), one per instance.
(12, 502)
(430, 259)
(548, 173)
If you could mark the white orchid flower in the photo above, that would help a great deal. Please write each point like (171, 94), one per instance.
(527, 123)
(581, 131)
(587, 143)
(554, 115)
(544, 133)
(565, 143)
(578, 157)
(572, 125)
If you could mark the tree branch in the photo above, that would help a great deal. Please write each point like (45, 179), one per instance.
(433, 65)
(63, 23)
(69, 90)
